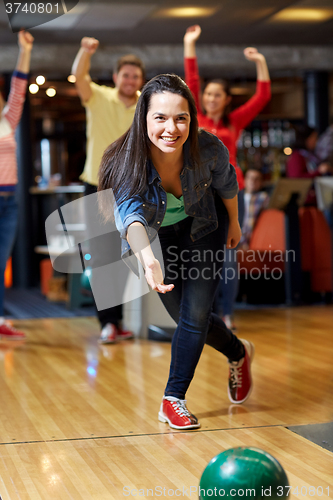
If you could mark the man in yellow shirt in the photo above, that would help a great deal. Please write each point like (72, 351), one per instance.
(109, 114)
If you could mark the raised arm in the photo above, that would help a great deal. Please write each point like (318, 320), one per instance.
(190, 38)
(244, 115)
(139, 243)
(253, 55)
(18, 86)
(81, 67)
(25, 40)
(190, 62)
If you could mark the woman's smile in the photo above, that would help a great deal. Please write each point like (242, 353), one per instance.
(169, 140)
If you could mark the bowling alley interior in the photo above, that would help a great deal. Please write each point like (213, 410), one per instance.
(85, 340)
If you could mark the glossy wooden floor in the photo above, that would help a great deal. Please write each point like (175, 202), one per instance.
(79, 420)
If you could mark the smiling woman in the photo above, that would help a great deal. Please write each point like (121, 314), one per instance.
(168, 177)
(153, 101)
(168, 127)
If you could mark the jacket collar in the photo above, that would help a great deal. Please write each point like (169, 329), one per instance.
(152, 172)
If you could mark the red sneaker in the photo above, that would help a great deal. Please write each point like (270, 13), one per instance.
(108, 334)
(124, 334)
(240, 379)
(8, 332)
(174, 411)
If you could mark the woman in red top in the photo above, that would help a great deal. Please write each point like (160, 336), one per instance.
(212, 115)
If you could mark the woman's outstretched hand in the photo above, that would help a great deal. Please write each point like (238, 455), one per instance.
(192, 34)
(154, 277)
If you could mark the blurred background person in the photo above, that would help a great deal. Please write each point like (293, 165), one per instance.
(10, 115)
(251, 201)
(324, 146)
(303, 162)
(214, 116)
(109, 114)
(214, 108)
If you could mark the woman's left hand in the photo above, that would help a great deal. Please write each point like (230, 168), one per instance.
(234, 234)
(252, 54)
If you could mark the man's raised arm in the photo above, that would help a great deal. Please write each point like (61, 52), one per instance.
(81, 67)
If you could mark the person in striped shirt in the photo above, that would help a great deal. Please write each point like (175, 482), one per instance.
(10, 115)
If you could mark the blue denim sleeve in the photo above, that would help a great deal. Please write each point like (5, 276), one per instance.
(127, 212)
(224, 174)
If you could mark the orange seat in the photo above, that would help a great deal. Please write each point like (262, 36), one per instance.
(316, 248)
(269, 231)
(267, 245)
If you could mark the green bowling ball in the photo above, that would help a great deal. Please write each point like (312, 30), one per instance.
(85, 278)
(240, 473)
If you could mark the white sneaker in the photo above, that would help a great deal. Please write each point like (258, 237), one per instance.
(108, 334)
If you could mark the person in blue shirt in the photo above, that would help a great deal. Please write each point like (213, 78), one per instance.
(168, 177)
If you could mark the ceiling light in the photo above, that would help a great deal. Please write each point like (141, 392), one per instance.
(33, 88)
(186, 12)
(303, 15)
(71, 78)
(40, 80)
(51, 92)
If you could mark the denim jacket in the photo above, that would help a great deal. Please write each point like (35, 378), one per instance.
(216, 175)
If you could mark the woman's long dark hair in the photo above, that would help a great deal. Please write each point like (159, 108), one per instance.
(124, 163)
(226, 87)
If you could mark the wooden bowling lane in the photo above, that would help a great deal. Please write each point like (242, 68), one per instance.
(79, 420)
(61, 384)
(164, 465)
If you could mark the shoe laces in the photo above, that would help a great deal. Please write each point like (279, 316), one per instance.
(236, 373)
(180, 408)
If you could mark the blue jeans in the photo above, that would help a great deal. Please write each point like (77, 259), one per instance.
(8, 225)
(229, 285)
(195, 269)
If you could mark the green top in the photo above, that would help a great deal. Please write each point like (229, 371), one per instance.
(175, 210)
